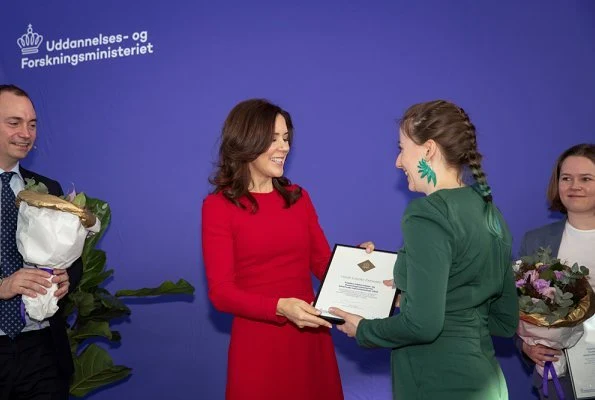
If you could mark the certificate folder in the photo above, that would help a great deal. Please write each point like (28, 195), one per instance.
(353, 282)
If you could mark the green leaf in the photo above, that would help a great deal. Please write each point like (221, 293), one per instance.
(540, 307)
(167, 287)
(102, 211)
(116, 337)
(93, 265)
(547, 274)
(112, 302)
(524, 302)
(91, 282)
(80, 200)
(84, 302)
(94, 368)
(567, 295)
(91, 329)
(39, 187)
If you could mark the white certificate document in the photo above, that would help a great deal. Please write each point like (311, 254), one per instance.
(354, 283)
(581, 362)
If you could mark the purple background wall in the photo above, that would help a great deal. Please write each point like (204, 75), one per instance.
(141, 131)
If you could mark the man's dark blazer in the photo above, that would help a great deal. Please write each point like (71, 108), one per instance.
(57, 322)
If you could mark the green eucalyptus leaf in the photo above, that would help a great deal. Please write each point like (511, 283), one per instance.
(167, 287)
(32, 185)
(525, 301)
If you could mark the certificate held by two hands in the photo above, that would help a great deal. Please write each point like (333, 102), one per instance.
(354, 283)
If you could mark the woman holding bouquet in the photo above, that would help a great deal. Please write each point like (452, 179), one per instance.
(453, 270)
(261, 242)
(571, 191)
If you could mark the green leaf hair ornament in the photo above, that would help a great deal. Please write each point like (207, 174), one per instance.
(426, 171)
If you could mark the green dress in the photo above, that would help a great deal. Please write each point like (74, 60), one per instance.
(457, 290)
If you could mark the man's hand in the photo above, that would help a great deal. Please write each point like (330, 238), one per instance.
(61, 278)
(540, 353)
(25, 281)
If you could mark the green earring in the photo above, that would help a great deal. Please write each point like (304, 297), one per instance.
(425, 170)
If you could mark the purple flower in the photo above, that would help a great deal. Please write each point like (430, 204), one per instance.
(520, 283)
(559, 275)
(540, 284)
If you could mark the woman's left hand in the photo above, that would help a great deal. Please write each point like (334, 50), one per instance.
(351, 321)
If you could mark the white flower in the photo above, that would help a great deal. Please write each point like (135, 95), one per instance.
(517, 265)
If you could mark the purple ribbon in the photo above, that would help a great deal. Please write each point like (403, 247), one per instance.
(548, 369)
(23, 313)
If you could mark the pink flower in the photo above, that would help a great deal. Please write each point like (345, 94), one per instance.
(548, 292)
(532, 274)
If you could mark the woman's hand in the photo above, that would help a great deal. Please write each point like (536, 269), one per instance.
(391, 283)
(302, 314)
(369, 246)
(351, 321)
(540, 353)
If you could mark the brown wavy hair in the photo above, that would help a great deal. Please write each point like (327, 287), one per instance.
(451, 128)
(247, 133)
(586, 150)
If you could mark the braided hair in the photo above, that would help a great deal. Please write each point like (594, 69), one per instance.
(450, 126)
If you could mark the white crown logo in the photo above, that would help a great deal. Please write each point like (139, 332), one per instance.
(30, 41)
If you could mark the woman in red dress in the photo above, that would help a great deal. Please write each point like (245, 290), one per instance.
(261, 242)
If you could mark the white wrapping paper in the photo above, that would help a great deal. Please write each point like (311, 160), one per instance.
(49, 239)
(557, 338)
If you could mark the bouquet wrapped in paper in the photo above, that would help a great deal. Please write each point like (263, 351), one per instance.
(554, 300)
(51, 232)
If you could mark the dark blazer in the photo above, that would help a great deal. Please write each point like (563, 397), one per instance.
(546, 236)
(58, 322)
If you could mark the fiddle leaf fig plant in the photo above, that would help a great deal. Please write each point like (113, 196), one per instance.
(90, 308)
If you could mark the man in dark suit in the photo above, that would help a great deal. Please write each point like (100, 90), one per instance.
(35, 358)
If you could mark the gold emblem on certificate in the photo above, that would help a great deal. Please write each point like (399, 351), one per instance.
(366, 265)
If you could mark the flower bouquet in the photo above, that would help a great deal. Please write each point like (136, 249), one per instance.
(554, 300)
(51, 232)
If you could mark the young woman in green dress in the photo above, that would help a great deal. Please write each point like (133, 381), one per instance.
(454, 270)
